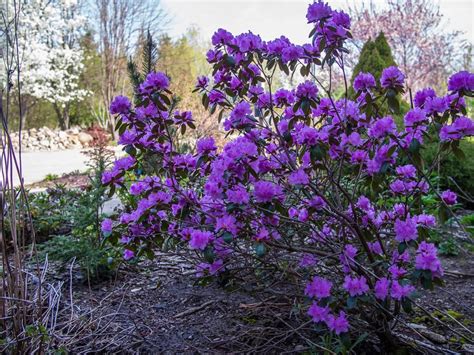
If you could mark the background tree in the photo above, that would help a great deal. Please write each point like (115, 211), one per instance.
(118, 26)
(375, 56)
(424, 51)
(51, 60)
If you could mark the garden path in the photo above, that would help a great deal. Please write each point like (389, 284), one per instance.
(36, 165)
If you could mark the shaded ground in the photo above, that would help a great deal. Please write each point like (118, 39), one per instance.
(156, 307)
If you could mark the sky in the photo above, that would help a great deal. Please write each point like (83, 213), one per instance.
(272, 18)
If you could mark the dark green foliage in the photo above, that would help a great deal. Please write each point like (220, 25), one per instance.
(451, 168)
(149, 59)
(82, 214)
(375, 56)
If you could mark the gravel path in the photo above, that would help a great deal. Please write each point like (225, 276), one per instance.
(36, 165)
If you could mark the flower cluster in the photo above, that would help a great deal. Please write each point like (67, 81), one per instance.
(327, 186)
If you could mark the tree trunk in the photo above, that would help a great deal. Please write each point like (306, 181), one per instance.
(63, 116)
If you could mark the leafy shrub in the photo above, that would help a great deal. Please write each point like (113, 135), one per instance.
(455, 174)
(324, 195)
(82, 213)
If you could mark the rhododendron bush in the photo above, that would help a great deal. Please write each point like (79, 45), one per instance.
(325, 193)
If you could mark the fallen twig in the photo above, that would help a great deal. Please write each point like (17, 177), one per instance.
(194, 309)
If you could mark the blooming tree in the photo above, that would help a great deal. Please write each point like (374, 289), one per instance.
(325, 193)
(51, 58)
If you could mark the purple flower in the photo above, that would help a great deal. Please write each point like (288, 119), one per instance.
(381, 288)
(398, 291)
(199, 239)
(422, 95)
(202, 82)
(319, 314)
(382, 127)
(427, 259)
(392, 77)
(222, 36)
(461, 81)
(318, 288)
(355, 286)
(461, 127)
(106, 225)
(449, 197)
(120, 105)
(238, 195)
(405, 230)
(206, 145)
(406, 171)
(155, 81)
(364, 82)
(216, 97)
(415, 117)
(265, 191)
(298, 177)
(307, 90)
(317, 11)
(338, 324)
(128, 254)
(293, 52)
(426, 220)
(283, 97)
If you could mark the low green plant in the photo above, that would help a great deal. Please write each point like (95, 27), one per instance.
(83, 214)
(51, 177)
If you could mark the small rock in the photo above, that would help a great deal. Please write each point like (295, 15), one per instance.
(434, 337)
(85, 138)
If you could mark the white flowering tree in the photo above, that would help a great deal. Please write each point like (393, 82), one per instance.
(51, 57)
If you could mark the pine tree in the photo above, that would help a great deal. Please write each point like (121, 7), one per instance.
(374, 57)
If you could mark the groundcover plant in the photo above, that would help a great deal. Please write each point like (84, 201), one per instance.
(325, 191)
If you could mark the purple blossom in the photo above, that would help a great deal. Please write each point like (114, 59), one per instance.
(317, 313)
(128, 254)
(422, 95)
(216, 97)
(405, 230)
(355, 286)
(406, 171)
(318, 288)
(364, 82)
(298, 177)
(205, 145)
(381, 288)
(461, 127)
(427, 259)
(265, 191)
(155, 81)
(392, 77)
(202, 82)
(293, 52)
(461, 81)
(199, 239)
(238, 195)
(415, 117)
(317, 11)
(283, 98)
(222, 36)
(449, 197)
(382, 127)
(398, 291)
(106, 225)
(120, 105)
(307, 90)
(338, 324)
